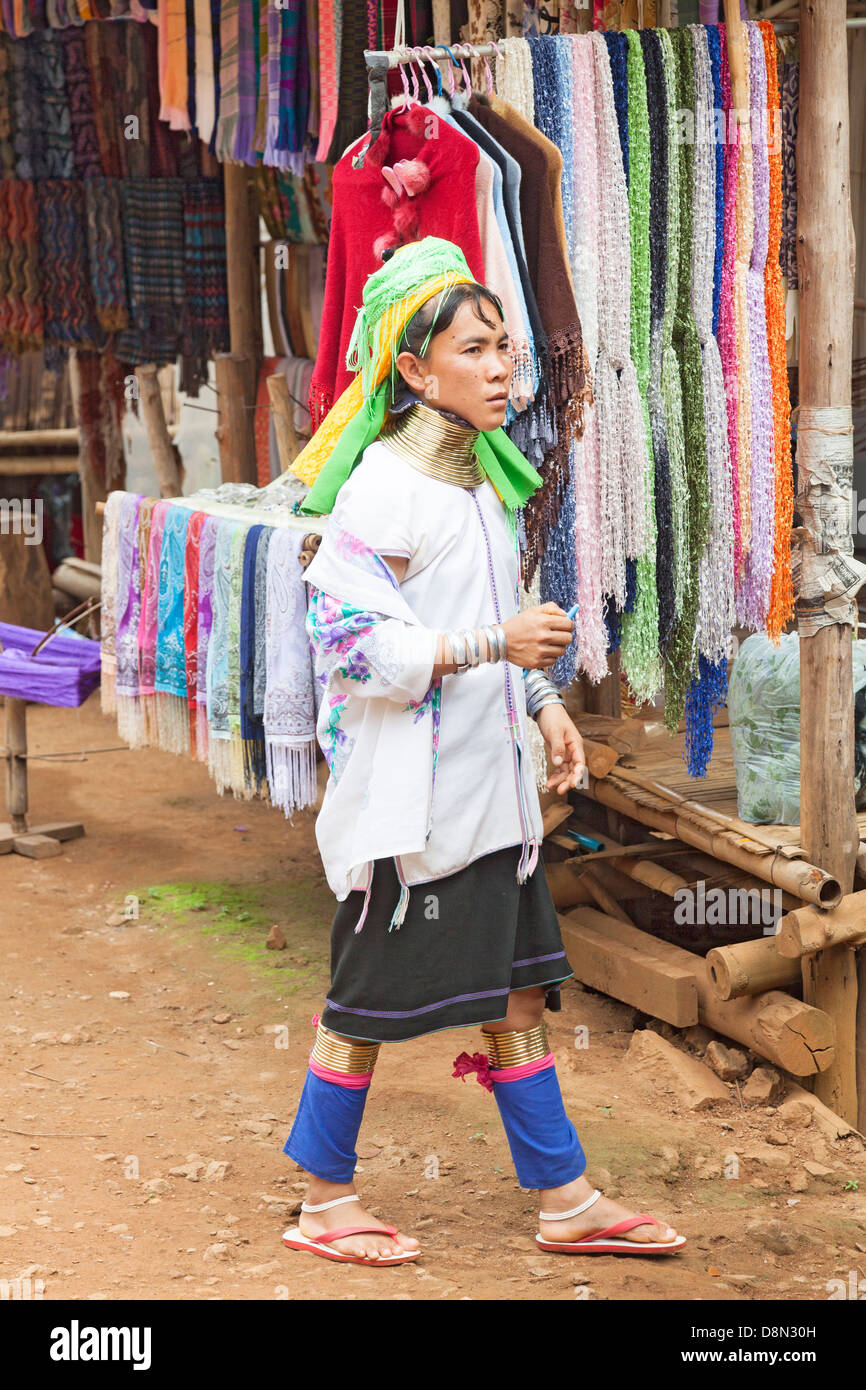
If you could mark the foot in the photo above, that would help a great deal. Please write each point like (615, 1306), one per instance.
(314, 1224)
(603, 1213)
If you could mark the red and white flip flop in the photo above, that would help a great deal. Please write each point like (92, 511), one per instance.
(295, 1239)
(605, 1242)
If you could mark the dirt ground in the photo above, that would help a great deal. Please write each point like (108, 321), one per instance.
(152, 1064)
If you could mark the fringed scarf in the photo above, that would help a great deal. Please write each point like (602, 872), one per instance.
(781, 604)
(745, 232)
(294, 79)
(682, 656)
(640, 627)
(207, 549)
(621, 431)
(219, 745)
(191, 562)
(21, 293)
(147, 627)
(239, 785)
(289, 707)
(247, 82)
(591, 635)
(229, 101)
(103, 50)
(172, 720)
(128, 613)
(252, 622)
(352, 86)
(727, 333)
(108, 594)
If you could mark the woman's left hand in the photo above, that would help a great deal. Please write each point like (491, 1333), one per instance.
(566, 748)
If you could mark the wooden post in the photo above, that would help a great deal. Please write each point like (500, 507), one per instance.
(16, 764)
(164, 455)
(284, 422)
(737, 63)
(234, 432)
(244, 293)
(824, 451)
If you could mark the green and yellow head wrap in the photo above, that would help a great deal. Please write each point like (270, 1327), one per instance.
(415, 273)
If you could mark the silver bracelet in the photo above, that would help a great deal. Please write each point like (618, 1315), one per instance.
(501, 638)
(472, 642)
(458, 650)
(540, 691)
(493, 653)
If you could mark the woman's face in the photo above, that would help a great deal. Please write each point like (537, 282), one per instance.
(467, 370)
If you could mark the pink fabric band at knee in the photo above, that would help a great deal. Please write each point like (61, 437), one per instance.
(525, 1069)
(356, 1081)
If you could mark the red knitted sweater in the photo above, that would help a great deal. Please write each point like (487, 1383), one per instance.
(445, 209)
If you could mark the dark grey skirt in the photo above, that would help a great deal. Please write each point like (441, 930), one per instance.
(466, 941)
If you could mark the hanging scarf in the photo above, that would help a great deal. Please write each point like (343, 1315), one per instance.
(207, 548)
(128, 612)
(205, 325)
(153, 231)
(513, 75)
(755, 595)
(217, 675)
(22, 315)
(727, 319)
(640, 627)
(682, 656)
(252, 729)
(659, 251)
(105, 247)
(781, 604)
(260, 656)
(412, 275)
(205, 92)
(102, 47)
(170, 663)
(289, 704)
(148, 623)
(591, 636)
(108, 595)
(173, 85)
(329, 74)
(294, 78)
(238, 781)
(247, 91)
(745, 224)
(621, 430)
(136, 103)
(191, 560)
(353, 88)
(715, 579)
(715, 588)
(229, 99)
(70, 311)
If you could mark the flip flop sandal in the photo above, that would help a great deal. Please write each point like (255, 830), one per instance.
(296, 1240)
(604, 1242)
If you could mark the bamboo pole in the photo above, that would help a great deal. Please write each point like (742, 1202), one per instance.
(750, 967)
(737, 64)
(796, 876)
(786, 1032)
(654, 875)
(808, 929)
(824, 462)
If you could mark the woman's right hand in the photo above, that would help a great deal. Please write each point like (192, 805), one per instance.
(538, 636)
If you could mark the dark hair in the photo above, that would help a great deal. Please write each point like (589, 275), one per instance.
(415, 333)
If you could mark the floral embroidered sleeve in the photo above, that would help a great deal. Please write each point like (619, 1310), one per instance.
(364, 653)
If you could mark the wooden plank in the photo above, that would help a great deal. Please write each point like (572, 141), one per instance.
(37, 846)
(59, 830)
(625, 972)
(788, 1033)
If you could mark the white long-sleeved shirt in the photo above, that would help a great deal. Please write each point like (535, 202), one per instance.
(478, 792)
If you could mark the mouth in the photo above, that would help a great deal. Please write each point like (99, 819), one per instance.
(498, 400)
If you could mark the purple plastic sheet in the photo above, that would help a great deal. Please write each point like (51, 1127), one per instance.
(64, 673)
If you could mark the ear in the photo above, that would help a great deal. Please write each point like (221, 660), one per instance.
(412, 370)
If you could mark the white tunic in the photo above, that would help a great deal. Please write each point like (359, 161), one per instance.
(463, 571)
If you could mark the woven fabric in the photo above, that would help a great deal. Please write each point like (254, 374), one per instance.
(205, 330)
(170, 661)
(108, 595)
(329, 75)
(68, 303)
(727, 332)
(153, 228)
(148, 621)
(21, 293)
(289, 706)
(247, 79)
(128, 597)
(252, 725)
(102, 46)
(105, 250)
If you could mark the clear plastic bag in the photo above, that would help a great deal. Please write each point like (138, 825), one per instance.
(764, 713)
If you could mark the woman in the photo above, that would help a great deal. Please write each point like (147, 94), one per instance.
(430, 828)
